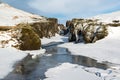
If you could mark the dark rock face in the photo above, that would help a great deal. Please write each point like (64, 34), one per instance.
(62, 29)
(86, 30)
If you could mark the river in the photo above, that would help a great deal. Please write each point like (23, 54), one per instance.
(53, 57)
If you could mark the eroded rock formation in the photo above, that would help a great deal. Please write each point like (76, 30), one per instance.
(86, 30)
(26, 36)
(46, 29)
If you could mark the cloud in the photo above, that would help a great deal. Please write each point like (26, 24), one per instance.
(66, 9)
(61, 6)
(73, 7)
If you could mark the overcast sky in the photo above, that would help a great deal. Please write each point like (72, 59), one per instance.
(67, 9)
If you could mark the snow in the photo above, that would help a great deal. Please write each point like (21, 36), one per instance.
(106, 49)
(4, 36)
(56, 38)
(36, 53)
(8, 56)
(108, 74)
(6, 39)
(10, 16)
(109, 17)
(67, 71)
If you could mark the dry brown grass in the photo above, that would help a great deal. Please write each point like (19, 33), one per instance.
(114, 24)
(29, 39)
(5, 28)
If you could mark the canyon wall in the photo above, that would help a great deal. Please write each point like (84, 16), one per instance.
(26, 36)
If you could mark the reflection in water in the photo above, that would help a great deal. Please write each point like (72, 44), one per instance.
(88, 62)
(58, 56)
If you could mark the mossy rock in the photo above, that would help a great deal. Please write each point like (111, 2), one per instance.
(29, 40)
(94, 36)
(45, 29)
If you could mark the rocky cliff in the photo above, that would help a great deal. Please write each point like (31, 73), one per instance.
(24, 30)
(86, 30)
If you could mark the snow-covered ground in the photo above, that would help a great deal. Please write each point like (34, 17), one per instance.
(8, 57)
(106, 49)
(10, 16)
(109, 74)
(56, 38)
(103, 50)
(109, 17)
(67, 71)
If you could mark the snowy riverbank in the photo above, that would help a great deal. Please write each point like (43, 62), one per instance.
(9, 56)
(105, 50)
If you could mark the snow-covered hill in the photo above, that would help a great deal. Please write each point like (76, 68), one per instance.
(109, 17)
(10, 16)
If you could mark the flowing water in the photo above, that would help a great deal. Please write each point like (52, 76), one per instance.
(53, 57)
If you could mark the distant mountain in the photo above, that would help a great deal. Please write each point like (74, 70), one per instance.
(10, 16)
(108, 18)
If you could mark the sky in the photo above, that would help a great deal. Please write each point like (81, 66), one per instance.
(66, 9)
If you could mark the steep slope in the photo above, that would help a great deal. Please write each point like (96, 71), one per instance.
(10, 16)
(108, 18)
(23, 30)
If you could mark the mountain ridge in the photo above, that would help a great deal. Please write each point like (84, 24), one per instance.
(11, 16)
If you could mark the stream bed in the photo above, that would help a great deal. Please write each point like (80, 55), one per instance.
(53, 57)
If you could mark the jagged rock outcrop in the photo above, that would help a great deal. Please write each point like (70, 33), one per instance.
(86, 30)
(46, 29)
